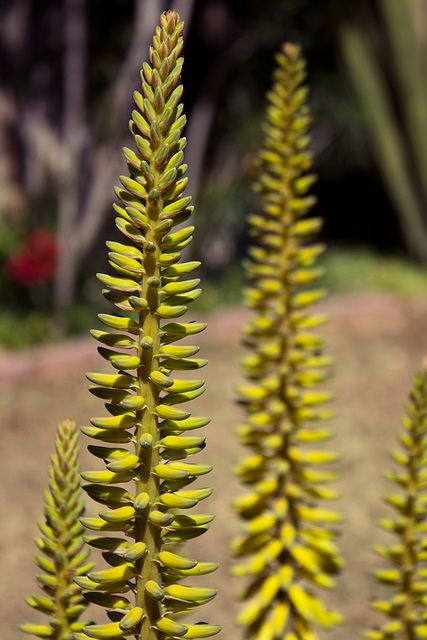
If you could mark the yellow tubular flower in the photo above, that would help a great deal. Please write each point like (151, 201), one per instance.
(62, 553)
(147, 437)
(407, 557)
(287, 543)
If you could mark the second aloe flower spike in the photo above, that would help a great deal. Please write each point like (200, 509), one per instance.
(287, 544)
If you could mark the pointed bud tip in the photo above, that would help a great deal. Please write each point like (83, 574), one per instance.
(169, 20)
(291, 50)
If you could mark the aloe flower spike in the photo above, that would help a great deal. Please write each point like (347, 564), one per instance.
(287, 544)
(405, 609)
(62, 553)
(148, 436)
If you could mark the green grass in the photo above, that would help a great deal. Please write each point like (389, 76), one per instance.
(362, 269)
(345, 270)
(222, 291)
(18, 331)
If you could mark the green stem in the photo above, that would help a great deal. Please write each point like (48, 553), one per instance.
(409, 534)
(288, 421)
(147, 482)
(147, 568)
(63, 584)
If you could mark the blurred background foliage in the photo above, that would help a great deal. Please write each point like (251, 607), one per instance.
(67, 72)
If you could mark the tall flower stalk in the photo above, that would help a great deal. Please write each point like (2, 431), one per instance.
(62, 553)
(148, 436)
(406, 575)
(287, 541)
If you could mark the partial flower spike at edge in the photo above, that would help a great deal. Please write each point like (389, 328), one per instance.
(146, 440)
(287, 544)
(62, 553)
(405, 575)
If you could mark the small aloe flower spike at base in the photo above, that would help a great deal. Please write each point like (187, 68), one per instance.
(406, 609)
(287, 540)
(148, 436)
(63, 554)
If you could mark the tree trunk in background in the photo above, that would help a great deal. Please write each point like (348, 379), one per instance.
(204, 109)
(84, 199)
(11, 197)
(85, 189)
(389, 76)
(61, 154)
(13, 33)
(73, 144)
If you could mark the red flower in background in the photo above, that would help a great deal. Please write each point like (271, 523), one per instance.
(34, 262)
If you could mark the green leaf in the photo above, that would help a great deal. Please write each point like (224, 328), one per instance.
(170, 627)
(131, 618)
(181, 442)
(171, 413)
(202, 630)
(188, 423)
(114, 574)
(190, 594)
(119, 284)
(118, 381)
(174, 561)
(41, 630)
(107, 631)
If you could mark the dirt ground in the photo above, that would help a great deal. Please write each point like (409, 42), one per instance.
(378, 342)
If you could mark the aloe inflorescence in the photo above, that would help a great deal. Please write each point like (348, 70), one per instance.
(406, 609)
(148, 436)
(287, 543)
(63, 554)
